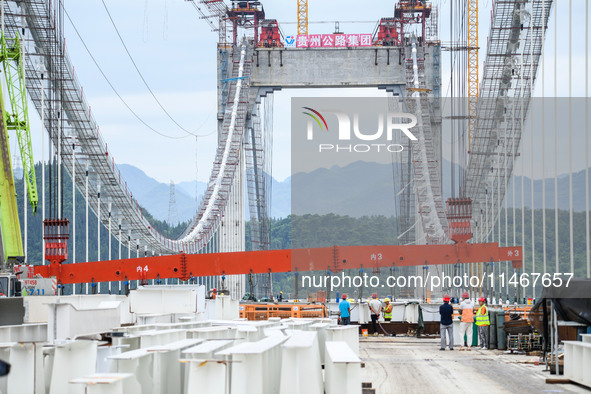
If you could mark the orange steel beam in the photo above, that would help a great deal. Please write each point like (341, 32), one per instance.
(185, 266)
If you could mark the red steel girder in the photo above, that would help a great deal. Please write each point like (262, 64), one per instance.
(184, 266)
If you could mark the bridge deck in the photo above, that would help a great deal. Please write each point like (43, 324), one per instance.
(410, 365)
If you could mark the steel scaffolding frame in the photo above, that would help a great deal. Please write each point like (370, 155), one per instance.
(426, 181)
(81, 133)
(513, 52)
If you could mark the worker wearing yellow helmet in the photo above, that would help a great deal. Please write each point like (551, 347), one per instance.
(387, 310)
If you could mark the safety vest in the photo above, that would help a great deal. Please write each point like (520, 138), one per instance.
(388, 314)
(482, 319)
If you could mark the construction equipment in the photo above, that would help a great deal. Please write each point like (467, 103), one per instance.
(270, 34)
(18, 120)
(302, 17)
(185, 266)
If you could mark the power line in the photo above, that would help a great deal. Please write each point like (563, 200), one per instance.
(113, 87)
(142, 76)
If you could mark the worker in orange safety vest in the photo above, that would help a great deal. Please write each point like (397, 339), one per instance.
(467, 319)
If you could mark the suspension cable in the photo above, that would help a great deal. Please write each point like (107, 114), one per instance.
(113, 87)
(142, 76)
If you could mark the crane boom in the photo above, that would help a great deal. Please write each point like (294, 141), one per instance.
(14, 71)
(11, 56)
(10, 229)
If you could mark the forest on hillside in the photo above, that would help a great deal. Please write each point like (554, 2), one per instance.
(316, 231)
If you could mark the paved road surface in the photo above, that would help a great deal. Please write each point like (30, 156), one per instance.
(412, 365)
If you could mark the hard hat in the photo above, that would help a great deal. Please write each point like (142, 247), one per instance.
(386, 299)
(344, 297)
(446, 298)
(465, 295)
(482, 299)
(375, 295)
(214, 289)
(280, 292)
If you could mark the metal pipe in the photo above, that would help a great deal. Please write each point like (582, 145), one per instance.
(522, 161)
(98, 233)
(531, 126)
(137, 255)
(570, 137)
(59, 163)
(42, 163)
(556, 246)
(544, 258)
(73, 208)
(119, 239)
(98, 223)
(110, 206)
(86, 221)
(587, 235)
(25, 210)
(109, 232)
(25, 217)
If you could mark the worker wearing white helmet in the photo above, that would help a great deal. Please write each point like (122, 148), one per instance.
(387, 310)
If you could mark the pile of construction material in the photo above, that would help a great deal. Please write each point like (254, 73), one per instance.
(518, 326)
(178, 352)
(278, 356)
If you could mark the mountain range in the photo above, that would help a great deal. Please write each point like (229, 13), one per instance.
(358, 189)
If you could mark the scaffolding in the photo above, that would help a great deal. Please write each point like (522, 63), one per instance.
(513, 52)
(77, 129)
(427, 179)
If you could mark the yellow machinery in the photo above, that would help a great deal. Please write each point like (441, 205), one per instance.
(302, 17)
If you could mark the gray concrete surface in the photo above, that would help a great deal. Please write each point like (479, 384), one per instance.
(328, 67)
(412, 365)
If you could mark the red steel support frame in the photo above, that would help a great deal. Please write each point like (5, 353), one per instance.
(184, 266)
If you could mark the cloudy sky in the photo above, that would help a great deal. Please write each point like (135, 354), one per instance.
(176, 52)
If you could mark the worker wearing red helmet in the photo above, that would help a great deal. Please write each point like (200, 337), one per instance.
(446, 324)
(467, 319)
(345, 311)
(483, 323)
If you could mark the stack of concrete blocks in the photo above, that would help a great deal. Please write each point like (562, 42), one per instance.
(181, 353)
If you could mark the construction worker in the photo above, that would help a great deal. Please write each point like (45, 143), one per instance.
(345, 309)
(214, 293)
(483, 323)
(375, 308)
(280, 296)
(467, 319)
(446, 327)
(387, 310)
